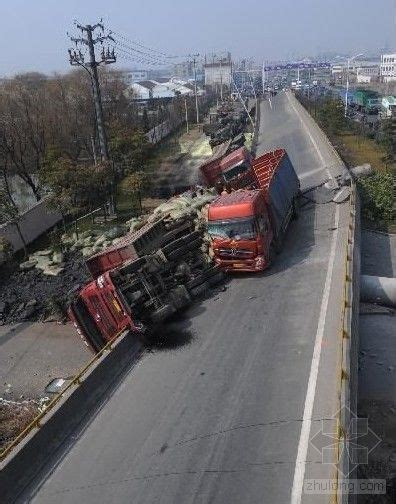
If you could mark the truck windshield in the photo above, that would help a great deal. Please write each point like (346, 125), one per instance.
(234, 171)
(243, 229)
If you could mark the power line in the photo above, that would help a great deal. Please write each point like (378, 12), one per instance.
(133, 42)
(144, 56)
(135, 59)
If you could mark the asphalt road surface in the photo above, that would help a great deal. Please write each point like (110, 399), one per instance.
(222, 413)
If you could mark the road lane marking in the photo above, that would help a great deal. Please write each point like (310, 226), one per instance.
(313, 172)
(299, 470)
(309, 134)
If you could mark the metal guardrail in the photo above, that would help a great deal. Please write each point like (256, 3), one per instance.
(76, 381)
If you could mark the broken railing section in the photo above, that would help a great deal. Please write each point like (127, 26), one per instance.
(337, 189)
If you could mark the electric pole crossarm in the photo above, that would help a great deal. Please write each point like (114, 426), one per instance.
(107, 57)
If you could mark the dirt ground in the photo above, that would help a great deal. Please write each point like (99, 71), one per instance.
(33, 353)
(377, 369)
(177, 166)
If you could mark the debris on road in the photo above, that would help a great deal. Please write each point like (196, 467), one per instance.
(16, 416)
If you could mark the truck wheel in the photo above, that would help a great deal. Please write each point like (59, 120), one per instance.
(162, 313)
(200, 289)
(217, 278)
(271, 255)
(295, 209)
(277, 244)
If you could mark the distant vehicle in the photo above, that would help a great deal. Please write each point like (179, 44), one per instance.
(247, 226)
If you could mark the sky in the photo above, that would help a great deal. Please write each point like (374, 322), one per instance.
(33, 32)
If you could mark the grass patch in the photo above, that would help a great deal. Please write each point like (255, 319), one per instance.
(377, 190)
(357, 150)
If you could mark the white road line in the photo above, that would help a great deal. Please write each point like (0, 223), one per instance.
(309, 134)
(313, 172)
(270, 103)
(299, 470)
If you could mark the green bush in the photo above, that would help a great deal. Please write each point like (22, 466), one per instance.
(377, 193)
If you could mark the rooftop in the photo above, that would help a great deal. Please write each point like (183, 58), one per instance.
(234, 197)
(390, 99)
(147, 84)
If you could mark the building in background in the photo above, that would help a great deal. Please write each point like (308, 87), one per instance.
(388, 67)
(184, 70)
(135, 76)
(388, 106)
(218, 70)
(162, 88)
(366, 74)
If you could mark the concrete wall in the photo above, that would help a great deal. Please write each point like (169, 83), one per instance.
(159, 132)
(34, 222)
(36, 451)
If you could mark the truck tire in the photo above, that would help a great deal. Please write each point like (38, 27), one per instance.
(180, 297)
(271, 255)
(201, 278)
(277, 243)
(295, 209)
(162, 313)
(200, 289)
(217, 278)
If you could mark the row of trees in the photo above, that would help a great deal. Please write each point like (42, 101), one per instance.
(48, 138)
(330, 114)
(377, 191)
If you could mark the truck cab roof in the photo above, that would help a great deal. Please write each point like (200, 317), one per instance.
(240, 203)
(235, 157)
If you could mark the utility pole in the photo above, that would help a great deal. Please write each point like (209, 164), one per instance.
(243, 103)
(221, 82)
(186, 110)
(194, 56)
(347, 82)
(107, 57)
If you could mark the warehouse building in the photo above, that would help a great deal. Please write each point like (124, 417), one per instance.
(388, 67)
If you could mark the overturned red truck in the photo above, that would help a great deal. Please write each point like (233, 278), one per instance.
(142, 280)
(247, 226)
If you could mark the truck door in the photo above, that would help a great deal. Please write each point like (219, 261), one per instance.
(264, 236)
(102, 316)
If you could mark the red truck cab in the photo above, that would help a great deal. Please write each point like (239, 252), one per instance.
(233, 170)
(239, 226)
(100, 312)
(236, 169)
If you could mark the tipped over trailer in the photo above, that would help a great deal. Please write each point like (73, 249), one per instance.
(148, 276)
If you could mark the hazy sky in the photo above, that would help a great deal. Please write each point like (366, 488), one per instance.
(33, 32)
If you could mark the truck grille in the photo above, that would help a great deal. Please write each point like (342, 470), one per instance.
(236, 253)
